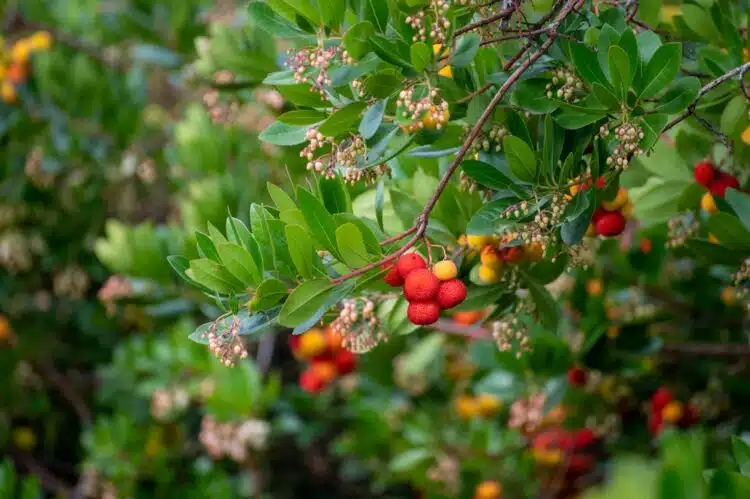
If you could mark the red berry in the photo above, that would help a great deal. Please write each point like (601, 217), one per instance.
(294, 341)
(704, 173)
(722, 183)
(587, 184)
(451, 293)
(576, 376)
(584, 438)
(409, 262)
(556, 438)
(690, 416)
(660, 399)
(346, 362)
(421, 285)
(598, 213)
(393, 277)
(514, 254)
(601, 183)
(655, 423)
(423, 314)
(610, 224)
(579, 464)
(310, 382)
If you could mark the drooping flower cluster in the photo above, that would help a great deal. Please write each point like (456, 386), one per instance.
(681, 228)
(491, 141)
(528, 416)
(311, 65)
(433, 15)
(358, 325)
(346, 157)
(570, 87)
(221, 112)
(541, 230)
(166, 402)
(234, 440)
(430, 112)
(511, 334)
(629, 137)
(225, 342)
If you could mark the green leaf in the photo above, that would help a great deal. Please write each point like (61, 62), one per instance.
(552, 143)
(343, 120)
(661, 69)
(699, 21)
(293, 217)
(372, 119)
(304, 8)
(730, 231)
(206, 247)
(376, 11)
(546, 307)
(304, 301)
(741, 451)
(281, 134)
(356, 39)
(269, 21)
(487, 219)
(334, 194)
(214, 276)
(648, 43)
(652, 125)
(423, 354)
(351, 246)
(605, 96)
(408, 460)
(487, 175)
(379, 201)
(502, 384)
(180, 264)
(281, 199)
(393, 51)
(262, 235)
(740, 203)
(333, 12)
(679, 96)
(575, 120)
(301, 250)
(421, 56)
(302, 117)
(302, 95)
(269, 293)
(531, 95)
(319, 221)
(521, 158)
(381, 85)
(466, 49)
(619, 71)
(240, 263)
(587, 64)
(480, 297)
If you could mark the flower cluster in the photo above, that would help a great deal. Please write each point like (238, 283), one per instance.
(358, 325)
(166, 402)
(629, 137)
(540, 231)
(680, 228)
(570, 87)
(14, 63)
(115, 288)
(311, 65)
(491, 141)
(435, 15)
(233, 439)
(429, 112)
(225, 342)
(71, 282)
(510, 333)
(527, 415)
(327, 358)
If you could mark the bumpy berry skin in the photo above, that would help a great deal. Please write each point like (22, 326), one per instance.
(610, 224)
(423, 314)
(346, 362)
(445, 270)
(421, 285)
(410, 262)
(722, 183)
(598, 214)
(704, 173)
(325, 369)
(576, 376)
(393, 277)
(451, 293)
(660, 399)
(310, 382)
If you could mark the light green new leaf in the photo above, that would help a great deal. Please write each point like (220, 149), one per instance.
(214, 276)
(281, 199)
(281, 134)
(240, 263)
(304, 301)
(351, 246)
(301, 249)
(269, 293)
(319, 221)
(421, 56)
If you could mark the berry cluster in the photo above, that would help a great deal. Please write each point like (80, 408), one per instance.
(484, 405)
(14, 63)
(427, 291)
(717, 183)
(609, 219)
(327, 359)
(666, 410)
(576, 451)
(495, 253)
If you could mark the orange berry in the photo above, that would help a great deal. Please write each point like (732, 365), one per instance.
(514, 254)
(20, 51)
(41, 40)
(729, 296)
(334, 340)
(16, 73)
(311, 344)
(310, 382)
(489, 275)
(491, 257)
(468, 318)
(672, 412)
(467, 407)
(488, 404)
(478, 242)
(4, 328)
(646, 246)
(713, 239)
(594, 287)
(618, 202)
(489, 489)
(534, 252)
(8, 92)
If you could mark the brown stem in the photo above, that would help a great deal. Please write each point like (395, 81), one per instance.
(489, 20)
(398, 237)
(482, 90)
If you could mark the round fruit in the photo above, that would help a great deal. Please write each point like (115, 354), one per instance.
(410, 262)
(346, 362)
(708, 204)
(646, 246)
(728, 296)
(489, 489)
(618, 202)
(41, 40)
(334, 340)
(311, 344)
(610, 224)
(598, 214)
(491, 257)
(478, 242)
(594, 287)
(584, 438)
(655, 423)
(489, 275)
(660, 399)
(451, 293)
(576, 376)
(393, 277)
(8, 92)
(514, 254)
(488, 404)
(467, 407)
(421, 285)
(704, 173)
(672, 412)
(310, 382)
(468, 318)
(325, 369)
(445, 270)
(423, 314)
(534, 252)
(722, 183)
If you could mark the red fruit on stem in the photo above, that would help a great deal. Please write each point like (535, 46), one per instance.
(584, 438)
(451, 293)
(421, 285)
(724, 181)
(704, 173)
(598, 213)
(393, 277)
(310, 382)
(576, 376)
(660, 399)
(410, 262)
(346, 362)
(601, 183)
(514, 254)
(610, 224)
(423, 314)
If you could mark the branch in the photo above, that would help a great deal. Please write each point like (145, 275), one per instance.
(489, 20)
(420, 227)
(739, 70)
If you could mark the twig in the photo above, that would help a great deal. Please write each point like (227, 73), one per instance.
(420, 226)
(489, 20)
(470, 96)
(514, 36)
(703, 91)
(398, 237)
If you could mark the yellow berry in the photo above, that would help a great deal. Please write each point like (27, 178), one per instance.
(445, 270)
(489, 275)
(478, 242)
(548, 457)
(4, 328)
(489, 489)
(3, 71)
(8, 92)
(20, 51)
(437, 48)
(467, 407)
(41, 40)
(24, 438)
(311, 344)
(489, 405)
(746, 134)
(708, 204)
(729, 296)
(618, 202)
(594, 287)
(574, 189)
(446, 71)
(491, 257)
(672, 412)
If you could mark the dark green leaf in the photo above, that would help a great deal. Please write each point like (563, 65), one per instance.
(376, 11)
(351, 246)
(730, 231)
(372, 119)
(679, 96)
(421, 56)
(521, 158)
(661, 69)
(356, 39)
(619, 71)
(281, 134)
(302, 117)
(740, 203)
(587, 64)
(269, 21)
(531, 95)
(319, 221)
(269, 293)
(304, 301)
(486, 175)
(381, 85)
(343, 120)
(466, 49)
